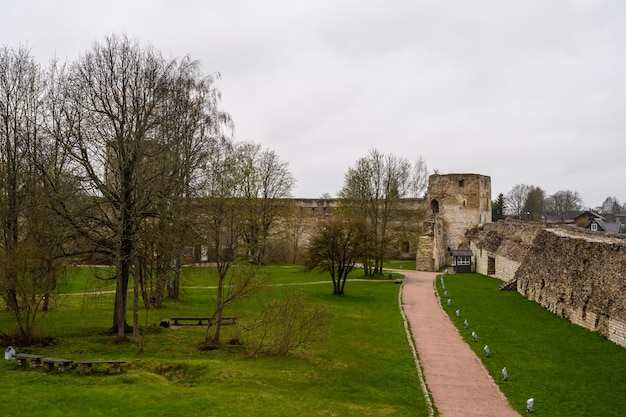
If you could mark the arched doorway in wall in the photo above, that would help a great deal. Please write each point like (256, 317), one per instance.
(434, 206)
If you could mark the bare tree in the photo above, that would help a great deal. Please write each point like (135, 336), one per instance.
(336, 246)
(191, 122)
(534, 206)
(265, 182)
(419, 178)
(117, 91)
(20, 90)
(611, 205)
(131, 112)
(223, 220)
(564, 201)
(372, 190)
(516, 198)
(31, 248)
(293, 228)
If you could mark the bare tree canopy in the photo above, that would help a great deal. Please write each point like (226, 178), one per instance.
(242, 188)
(336, 246)
(23, 256)
(516, 199)
(137, 128)
(419, 179)
(372, 191)
(563, 202)
(534, 206)
(265, 180)
(611, 205)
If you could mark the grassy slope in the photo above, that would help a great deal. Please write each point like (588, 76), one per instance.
(364, 369)
(569, 371)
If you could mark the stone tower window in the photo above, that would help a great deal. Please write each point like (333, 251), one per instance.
(461, 183)
(434, 206)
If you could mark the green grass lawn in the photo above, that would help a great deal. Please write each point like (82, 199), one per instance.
(568, 370)
(363, 368)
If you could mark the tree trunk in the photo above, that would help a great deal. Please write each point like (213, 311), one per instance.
(136, 307)
(173, 285)
(120, 326)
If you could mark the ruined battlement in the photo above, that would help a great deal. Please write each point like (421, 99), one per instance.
(574, 273)
(456, 202)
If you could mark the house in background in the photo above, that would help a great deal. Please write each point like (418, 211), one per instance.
(590, 220)
(595, 222)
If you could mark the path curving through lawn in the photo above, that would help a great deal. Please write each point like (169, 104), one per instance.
(459, 384)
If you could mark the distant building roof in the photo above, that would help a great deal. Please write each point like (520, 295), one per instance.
(590, 214)
(462, 253)
(609, 227)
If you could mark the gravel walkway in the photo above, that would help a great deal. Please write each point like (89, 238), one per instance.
(459, 384)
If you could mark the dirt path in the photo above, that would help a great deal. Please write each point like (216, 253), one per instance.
(459, 384)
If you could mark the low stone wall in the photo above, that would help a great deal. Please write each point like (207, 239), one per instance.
(579, 275)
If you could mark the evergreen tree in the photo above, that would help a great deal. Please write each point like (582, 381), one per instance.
(498, 207)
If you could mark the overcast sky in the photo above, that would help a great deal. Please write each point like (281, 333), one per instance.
(527, 92)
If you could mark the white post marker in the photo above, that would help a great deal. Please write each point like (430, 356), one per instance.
(9, 353)
(530, 405)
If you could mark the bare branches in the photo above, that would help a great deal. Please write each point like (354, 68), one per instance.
(336, 246)
(372, 191)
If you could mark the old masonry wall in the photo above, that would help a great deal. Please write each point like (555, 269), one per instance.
(576, 274)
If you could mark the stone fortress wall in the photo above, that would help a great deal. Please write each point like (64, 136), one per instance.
(577, 274)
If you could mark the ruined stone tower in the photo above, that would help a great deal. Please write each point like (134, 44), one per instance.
(456, 202)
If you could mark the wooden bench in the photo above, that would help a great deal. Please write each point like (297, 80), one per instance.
(22, 358)
(114, 365)
(62, 364)
(201, 320)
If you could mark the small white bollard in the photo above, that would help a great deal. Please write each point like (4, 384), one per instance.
(530, 405)
(449, 299)
(475, 336)
(9, 353)
(487, 351)
(465, 323)
(505, 374)
(458, 313)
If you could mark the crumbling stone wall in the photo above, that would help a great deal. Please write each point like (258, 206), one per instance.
(579, 275)
(501, 246)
